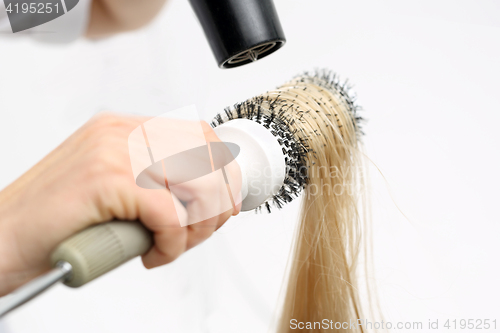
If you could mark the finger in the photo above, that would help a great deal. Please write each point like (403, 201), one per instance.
(199, 232)
(208, 205)
(163, 214)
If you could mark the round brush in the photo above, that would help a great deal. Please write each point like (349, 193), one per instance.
(264, 129)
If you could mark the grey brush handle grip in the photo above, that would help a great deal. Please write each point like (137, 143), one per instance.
(101, 248)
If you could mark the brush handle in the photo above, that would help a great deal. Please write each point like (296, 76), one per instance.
(101, 248)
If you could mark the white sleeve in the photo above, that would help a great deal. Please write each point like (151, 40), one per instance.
(64, 29)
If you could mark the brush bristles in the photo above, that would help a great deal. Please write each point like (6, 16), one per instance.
(329, 80)
(279, 116)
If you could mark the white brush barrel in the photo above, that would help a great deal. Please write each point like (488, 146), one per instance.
(261, 160)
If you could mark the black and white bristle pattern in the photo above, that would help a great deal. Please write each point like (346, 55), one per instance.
(329, 80)
(274, 115)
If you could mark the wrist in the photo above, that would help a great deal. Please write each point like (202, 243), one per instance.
(13, 272)
(7, 251)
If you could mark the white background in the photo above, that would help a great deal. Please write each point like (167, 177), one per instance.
(427, 74)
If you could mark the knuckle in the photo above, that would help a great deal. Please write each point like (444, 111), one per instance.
(225, 216)
(104, 117)
(105, 122)
(106, 148)
(105, 161)
(171, 254)
(205, 126)
(208, 131)
(203, 230)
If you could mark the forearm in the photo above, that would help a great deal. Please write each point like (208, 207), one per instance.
(14, 269)
(113, 16)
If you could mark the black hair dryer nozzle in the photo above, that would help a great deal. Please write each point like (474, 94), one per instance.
(240, 31)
